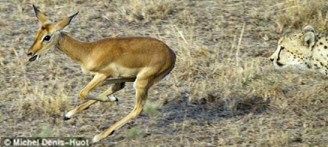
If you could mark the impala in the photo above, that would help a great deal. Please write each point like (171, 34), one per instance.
(141, 60)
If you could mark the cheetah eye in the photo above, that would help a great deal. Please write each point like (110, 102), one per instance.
(282, 48)
(47, 38)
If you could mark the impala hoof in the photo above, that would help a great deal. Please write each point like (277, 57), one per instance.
(113, 98)
(66, 118)
(116, 102)
(97, 138)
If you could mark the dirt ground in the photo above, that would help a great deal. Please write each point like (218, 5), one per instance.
(223, 90)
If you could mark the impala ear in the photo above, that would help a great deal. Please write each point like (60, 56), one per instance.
(62, 24)
(40, 15)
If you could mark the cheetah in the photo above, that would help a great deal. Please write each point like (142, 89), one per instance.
(305, 49)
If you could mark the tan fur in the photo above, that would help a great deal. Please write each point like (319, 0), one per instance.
(141, 60)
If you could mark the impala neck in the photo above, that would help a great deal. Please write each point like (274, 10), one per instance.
(75, 49)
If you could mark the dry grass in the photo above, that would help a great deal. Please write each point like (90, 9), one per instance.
(149, 10)
(296, 14)
(222, 92)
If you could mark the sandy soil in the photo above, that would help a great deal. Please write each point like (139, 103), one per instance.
(222, 92)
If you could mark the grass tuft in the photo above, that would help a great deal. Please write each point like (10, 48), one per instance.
(295, 14)
(46, 131)
(151, 109)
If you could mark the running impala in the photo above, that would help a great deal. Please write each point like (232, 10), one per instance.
(141, 60)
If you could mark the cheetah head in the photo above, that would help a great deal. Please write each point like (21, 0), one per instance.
(294, 49)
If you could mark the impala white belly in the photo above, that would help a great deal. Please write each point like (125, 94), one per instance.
(121, 71)
(86, 71)
(114, 70)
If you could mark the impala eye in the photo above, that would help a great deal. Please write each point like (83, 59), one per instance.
(47, 38)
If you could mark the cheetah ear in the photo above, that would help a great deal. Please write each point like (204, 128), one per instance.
(309, 39)
(308, 28)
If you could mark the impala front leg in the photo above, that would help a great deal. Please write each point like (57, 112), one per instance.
(97, 79)
(80, 108)
(114, 88)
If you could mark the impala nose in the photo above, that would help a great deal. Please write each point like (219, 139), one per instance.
(29, 54)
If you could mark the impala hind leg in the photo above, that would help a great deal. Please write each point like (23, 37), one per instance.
(116, 87)
(106, 96)
(141, 87)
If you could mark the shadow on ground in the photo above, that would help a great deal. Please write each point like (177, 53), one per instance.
(180, 110)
